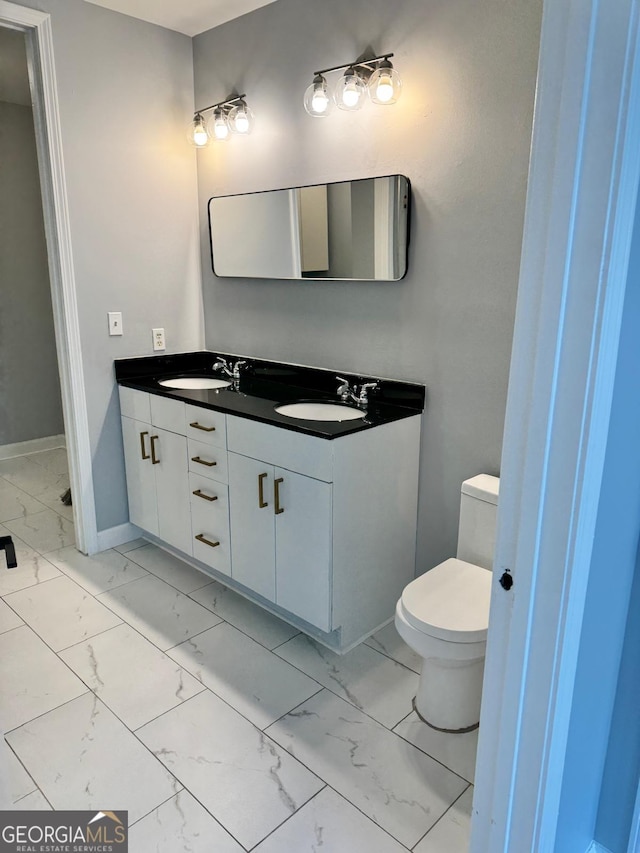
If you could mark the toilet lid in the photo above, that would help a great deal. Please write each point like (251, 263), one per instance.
(450, 602)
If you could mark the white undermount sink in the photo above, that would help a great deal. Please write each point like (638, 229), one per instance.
(195, 383)
(321, 411)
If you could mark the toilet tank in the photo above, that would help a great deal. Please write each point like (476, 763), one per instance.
(478, 511)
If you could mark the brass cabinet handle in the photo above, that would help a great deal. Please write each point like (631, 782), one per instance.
(154, 458)
(202, 495)
(261, 501)
(143, 449)
(276, 495)
(203, 461)
(196, 425)
(202, 538)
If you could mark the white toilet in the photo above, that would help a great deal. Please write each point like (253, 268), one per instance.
(443, 615)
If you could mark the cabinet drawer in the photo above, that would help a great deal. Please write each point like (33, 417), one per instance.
(209, 491)
(285, 448)
(206, 426)
(134, 404)
(167, 414)
(210, 522)
(207, 461)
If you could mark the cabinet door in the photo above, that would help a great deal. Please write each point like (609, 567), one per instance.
(303, 547)
(170, 466)
(141, 478)
(252, 524)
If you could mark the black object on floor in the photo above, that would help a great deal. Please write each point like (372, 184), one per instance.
(6, 544)
(66, 498)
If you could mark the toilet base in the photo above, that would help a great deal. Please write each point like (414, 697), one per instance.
(439, 728)
(449, 693)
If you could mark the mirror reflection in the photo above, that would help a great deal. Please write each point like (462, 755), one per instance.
(349, 230)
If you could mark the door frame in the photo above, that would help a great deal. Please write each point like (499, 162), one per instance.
(580, 211)
(36, 26)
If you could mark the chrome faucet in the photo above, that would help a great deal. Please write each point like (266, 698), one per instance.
(359, 395)
(229, 368)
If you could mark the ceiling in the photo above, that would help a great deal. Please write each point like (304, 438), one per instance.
(186, 16)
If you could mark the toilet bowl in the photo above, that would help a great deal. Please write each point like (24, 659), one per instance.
(443, 615)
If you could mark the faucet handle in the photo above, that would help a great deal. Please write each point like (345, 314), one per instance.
(364, 391)
(344, 387)
(236, 368)
(219, 362)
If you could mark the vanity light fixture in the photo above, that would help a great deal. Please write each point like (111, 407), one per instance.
(377, 76)
(229, 116)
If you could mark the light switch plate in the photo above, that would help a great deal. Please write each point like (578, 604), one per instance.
(158, 339)
(115, 322)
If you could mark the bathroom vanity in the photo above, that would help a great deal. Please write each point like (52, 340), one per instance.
(313, 520)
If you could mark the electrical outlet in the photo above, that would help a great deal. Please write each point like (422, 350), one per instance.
(115, 322)
(158, 339)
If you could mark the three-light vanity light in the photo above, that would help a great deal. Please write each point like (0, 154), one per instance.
(228, 117)
(376, 77)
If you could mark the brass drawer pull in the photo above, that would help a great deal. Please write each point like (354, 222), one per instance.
(143, 449)
(202, 495)
(154, 458)
(261, 501)
(196, 425)
(202, 538)
(276, 495)
(202, 461)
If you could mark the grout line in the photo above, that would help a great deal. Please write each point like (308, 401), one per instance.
(387, 655)
(446, 812)
(287, 819)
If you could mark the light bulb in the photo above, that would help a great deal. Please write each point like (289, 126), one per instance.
(316, 98)
(385, 85)
(241, 119)
(242, 122)
(350, 90)
(219, 126)
(197, 132)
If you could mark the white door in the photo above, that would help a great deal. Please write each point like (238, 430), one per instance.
(170, 465)
(302, 508)
(252, 524)
(141, 478)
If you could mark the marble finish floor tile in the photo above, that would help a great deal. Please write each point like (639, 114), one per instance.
(8, 619)
(158, 611)
(455, 751)
(32, 478)
(181, 824)
(51, 498)
(43, 531)
(259, 624)
(62, 612)
(131, 546)
(169, 568)
(14, 503)
(131, 676)
(372, 682)
(245, 674)
(248, 783)
(15, 781)
(452, 832)
(32, 568)
(55, 460)
(328, 822)
(400, 788)
(82, 756)
(34, 802)
(33, 678)
(390, 643)
(99, 573)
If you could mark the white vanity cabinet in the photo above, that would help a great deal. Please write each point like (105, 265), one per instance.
(155, 453)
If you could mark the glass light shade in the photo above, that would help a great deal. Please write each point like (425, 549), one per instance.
(316, 99)
(197, 132)
(385, 84)
(350, 90)
(241, 119)
(218, 126)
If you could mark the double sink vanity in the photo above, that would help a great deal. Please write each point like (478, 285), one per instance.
(294, 486)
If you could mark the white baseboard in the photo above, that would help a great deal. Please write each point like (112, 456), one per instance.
(21, 448)
(118, 535)
(594, 847)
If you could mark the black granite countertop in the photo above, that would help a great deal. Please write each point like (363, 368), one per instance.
(267, 384)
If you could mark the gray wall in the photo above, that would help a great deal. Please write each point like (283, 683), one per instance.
(461, 134)
(126, 94)
(30, 403)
